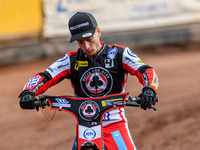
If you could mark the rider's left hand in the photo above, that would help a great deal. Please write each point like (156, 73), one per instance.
(148, 96)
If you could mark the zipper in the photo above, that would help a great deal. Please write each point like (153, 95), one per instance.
(95, 78)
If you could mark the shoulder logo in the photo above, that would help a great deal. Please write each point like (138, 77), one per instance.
(112, 53)
(131, 53)
(62, 59)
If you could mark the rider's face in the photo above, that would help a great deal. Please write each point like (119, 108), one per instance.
(91, 45)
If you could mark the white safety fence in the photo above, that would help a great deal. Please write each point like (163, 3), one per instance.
(120, 15)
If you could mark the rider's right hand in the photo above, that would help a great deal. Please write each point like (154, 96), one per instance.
(27, 100)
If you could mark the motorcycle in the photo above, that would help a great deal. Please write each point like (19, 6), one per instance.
(89, 113)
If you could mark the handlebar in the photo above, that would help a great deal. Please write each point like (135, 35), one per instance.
(134, 102)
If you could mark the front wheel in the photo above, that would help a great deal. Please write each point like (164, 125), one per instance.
(89, 145)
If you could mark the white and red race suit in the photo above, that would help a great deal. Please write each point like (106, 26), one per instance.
(106, 74)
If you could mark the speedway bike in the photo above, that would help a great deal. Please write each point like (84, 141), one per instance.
(89, 113)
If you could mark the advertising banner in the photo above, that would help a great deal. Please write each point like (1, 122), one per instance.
(120, 15)
(20, 17)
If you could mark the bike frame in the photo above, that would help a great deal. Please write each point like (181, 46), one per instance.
(89, 113)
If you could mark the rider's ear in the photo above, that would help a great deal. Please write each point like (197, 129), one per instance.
(98, 30)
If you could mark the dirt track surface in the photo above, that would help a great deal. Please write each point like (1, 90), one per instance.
(175, 125)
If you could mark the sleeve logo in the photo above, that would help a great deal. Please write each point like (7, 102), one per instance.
(33, 81)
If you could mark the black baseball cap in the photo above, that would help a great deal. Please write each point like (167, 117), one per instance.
(82, 25)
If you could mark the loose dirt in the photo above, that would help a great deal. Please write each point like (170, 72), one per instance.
(175, 125)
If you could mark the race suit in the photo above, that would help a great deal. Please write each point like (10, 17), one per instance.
(106, 74)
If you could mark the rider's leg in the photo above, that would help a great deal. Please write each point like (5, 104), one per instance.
(75, 145)
(117, 137)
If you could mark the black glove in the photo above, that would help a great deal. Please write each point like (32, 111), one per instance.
(27, 100)
(148, 96)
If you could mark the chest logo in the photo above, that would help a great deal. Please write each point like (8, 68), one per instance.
(96, 81)
(109, 63)
(80, 64)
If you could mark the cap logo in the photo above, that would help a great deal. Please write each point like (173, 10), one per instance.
(87, 35)
(79, 26)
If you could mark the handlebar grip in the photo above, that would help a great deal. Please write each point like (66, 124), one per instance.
(37, 103)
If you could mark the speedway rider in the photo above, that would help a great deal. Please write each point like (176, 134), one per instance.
(96, 69)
